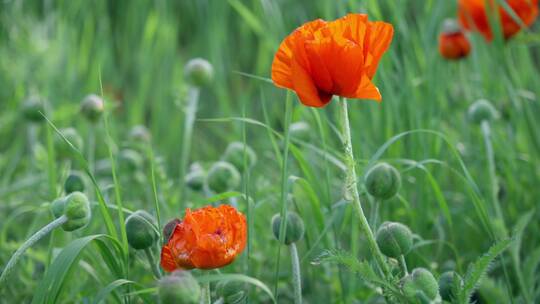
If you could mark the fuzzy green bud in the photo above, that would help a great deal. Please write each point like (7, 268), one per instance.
(195, 179)
(482, 110)
(420, 283)
(222, 177)
(199, 72)
(294, 231)
(31, 108)
(394, 239)
(141, 230)
(447, 281)
(382, 181)
(62, 147)
(92, 107)
(234, 154)
(300, 130)
(74, 182)
(140, 134)
(75, 207)
(179, 288)
(130, 160)
(232, 292)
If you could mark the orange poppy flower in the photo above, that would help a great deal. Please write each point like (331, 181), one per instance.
(453, 44)
(472, 15)
(321, 59)
(207, 238)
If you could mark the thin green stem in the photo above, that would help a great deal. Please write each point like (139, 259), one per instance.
(283, 196)
(189, 120)
(297, 277)
(403, 265)
(31, 241)
(205, 296)
(154, 186)
(351, 190)
(152, 263)
(374, 217)
(494, 187)
(92, 148)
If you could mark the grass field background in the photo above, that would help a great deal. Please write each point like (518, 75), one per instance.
(133, 53)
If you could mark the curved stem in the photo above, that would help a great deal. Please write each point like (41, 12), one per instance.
(189, 120)
(490, 155)
(152, 263)
(31, 241)
(297, 277)
(351, 190)
(403, 265)
(374, 217)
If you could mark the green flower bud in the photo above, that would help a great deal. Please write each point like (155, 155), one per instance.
(382, 181)
(140, 134)
(141, 230)
(31, 107)
(234, 154)
(62, 148)
(195, 179)
(222, 177)
(447, 281)
(300, 130)
(75, 207)
(74, 182)
(199, 72)
(482, 110)
(420, 283)
(179, 288)
(92, 107)
(130, 160)
(295, 227)
(394, 239)
(232, 292)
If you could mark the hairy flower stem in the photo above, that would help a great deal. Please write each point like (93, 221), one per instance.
(31, 241)
(189, 120)
(152, 263)
(297, 277)
(205, 296)
(403, 265)
(351, 190)
(374, 217)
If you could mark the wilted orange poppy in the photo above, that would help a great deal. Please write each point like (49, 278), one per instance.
(321, 59)
(210, 237)
(472, 15)
(453, 44)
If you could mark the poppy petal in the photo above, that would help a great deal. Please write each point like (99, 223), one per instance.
(378, 40)
(367, 90)
(168, 262)
(305, 88)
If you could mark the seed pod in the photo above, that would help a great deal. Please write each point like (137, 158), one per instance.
(232, 292)
(179, 288)
(75, 207)
(234, 154)
(74, 182)
(139, 134)
(199, 72)
(195, 179)
(382, 181)
(62, 148)
(141, 230)
(482, 110)
(420, 283)
(222, 177)
(447, 281)
(130, 160)
(92, 107)
(300, 130)
(31, 107)
(295, 227)
(394, 239)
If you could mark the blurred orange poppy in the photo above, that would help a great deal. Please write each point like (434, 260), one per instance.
(472, 15)
(453, 44)
(207, 238)
(321, 59)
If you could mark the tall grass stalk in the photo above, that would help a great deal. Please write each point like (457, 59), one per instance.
(297, 276)
(189, 120)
